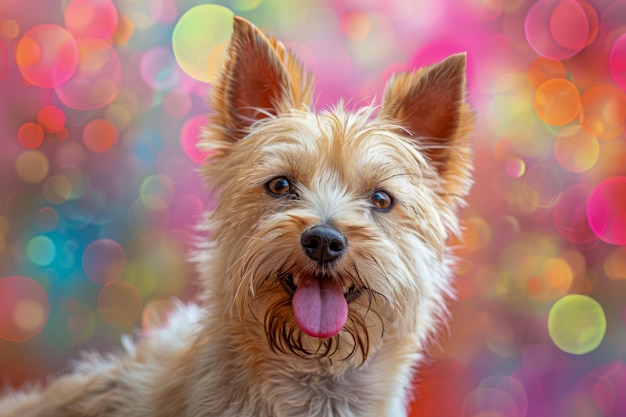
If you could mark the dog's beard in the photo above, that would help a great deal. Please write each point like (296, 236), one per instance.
(363, 323)
(267, 287)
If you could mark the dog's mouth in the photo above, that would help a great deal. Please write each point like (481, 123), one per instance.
(320, 305)
(288, 284)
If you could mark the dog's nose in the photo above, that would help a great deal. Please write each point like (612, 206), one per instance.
(323, 243)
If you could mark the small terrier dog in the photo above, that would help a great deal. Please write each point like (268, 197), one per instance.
(327, 268)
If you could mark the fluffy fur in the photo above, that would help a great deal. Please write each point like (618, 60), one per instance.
(243, 354)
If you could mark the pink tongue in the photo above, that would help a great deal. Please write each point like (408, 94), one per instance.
(321, 309)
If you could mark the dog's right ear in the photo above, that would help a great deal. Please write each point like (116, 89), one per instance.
(260, 79)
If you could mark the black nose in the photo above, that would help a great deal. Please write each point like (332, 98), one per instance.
(323, 243)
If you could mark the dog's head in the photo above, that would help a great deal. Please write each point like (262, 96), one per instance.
(333, 225)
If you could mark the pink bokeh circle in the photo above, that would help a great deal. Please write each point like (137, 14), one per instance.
(91, 19)
(189, 137)
(617, 61)
(606, 210)
(47, 55)
(570, 214)
(557, 29)
(97, 79)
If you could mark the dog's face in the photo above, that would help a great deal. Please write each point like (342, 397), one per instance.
(333, 225)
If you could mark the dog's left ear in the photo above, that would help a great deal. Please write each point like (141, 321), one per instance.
(260, 79)
(430, 104)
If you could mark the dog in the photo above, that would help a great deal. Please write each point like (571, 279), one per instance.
(328, 266)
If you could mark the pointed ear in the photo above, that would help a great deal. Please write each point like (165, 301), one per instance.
(260, 79)
(430, 104)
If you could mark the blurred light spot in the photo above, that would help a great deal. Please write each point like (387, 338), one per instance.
(9, 29)
(512, 386)
(156, 192)
(81, 321)
(41, 250)
(97, 79)
(29, 315)
(489, 402)
(167, 256)
(123, 109)
(575, 149)
(557, 102)
(163, 11)
(545, 278)
(515, 167)
(615, 263)
(70, 154)
(100, 135)
(196, 35)
(570, 214)
(47, 55)
(104, 260)
(91, 19)
(24, 308)
(46, 219)
(145, 222)
(477, 234)
(144, 276)
(63, 134)
(124, 31)
(355, 25)
(158, 68)
(602, 112)
(119, 304)
(57, 189)
(32, 166)
(592, 20)
(577, 324)
(569, 25)
(618, 61)
(556, 29)
(176, 104)
(544, 69)
(156, 312)
(51, 119)
(542, 186)
(606, 210)
(30, 135)
(189, 137)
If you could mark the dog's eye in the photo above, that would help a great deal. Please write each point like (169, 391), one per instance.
(382, 201)
(279, 187)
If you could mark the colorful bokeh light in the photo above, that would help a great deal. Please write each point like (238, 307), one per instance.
(577, 324)
(198, 38)
(47, 55)
(24, 308)
(103, 108)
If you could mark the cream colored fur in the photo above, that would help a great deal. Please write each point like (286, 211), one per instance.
(232, 357)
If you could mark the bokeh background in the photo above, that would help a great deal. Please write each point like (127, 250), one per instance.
(100, 105)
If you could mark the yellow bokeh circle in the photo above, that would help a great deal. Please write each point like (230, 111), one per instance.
(577, 324)
(199, 40)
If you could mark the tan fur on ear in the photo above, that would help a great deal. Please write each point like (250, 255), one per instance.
(431, 105)
(261, 78)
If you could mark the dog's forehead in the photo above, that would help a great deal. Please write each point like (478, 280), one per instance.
(337, 142)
